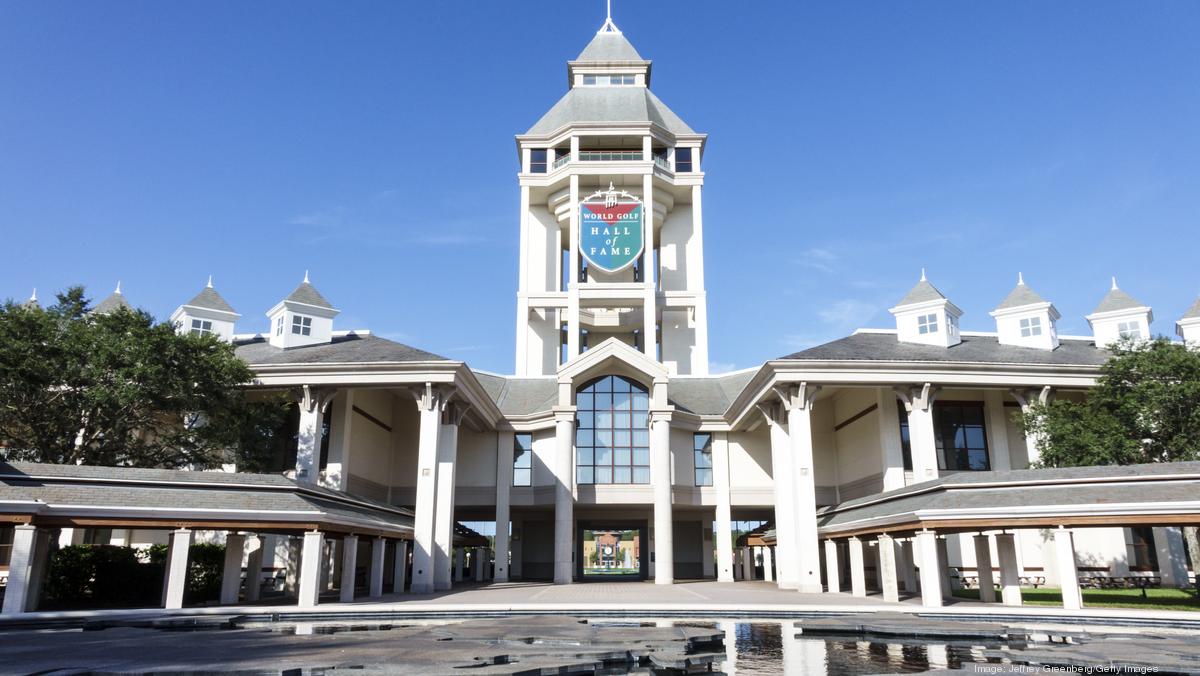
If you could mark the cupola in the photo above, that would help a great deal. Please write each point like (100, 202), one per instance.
(115, 301)
(207, 313)
(32, 303)
(1025, 319)
(1188, 326)
(925, 317)
(1119, 316)
(303, 318)
(608, 60)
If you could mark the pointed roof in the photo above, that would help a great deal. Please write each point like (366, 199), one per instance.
(610, 104)
(921, 293)
(1020, 296)
(115, 301)
(1116, 299)
(306, 293)
(609, 45)
(209, 299)
(33, 301)
(1193, 312)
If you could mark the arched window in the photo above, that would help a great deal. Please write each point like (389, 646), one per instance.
(612, 435)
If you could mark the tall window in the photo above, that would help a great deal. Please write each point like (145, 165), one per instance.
(523, 460)
(301, 326)
(1129, 330)
(612, 436)
(905, 439)
(1031, 326)
(537, 161)
(1142, 555)
(279, 326)
(683, 159)
(702, 450)
(961, 436)
(201, 327)
(927, 324)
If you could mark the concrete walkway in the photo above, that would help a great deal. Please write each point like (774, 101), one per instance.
(642, 599)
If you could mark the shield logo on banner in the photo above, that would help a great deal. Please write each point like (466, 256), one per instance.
(610, 229)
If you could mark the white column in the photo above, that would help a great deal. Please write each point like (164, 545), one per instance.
(349, 566)
(459, 555)
(311, 559)
(785, 505)
(660, 477)
(888, 582)
(747, 563)
(523, 271)
(1027, 398)
(943, 552)
(255, 547)
(799, 404)
(1010, 571)
(378, 553)
(908, 570)
(925, 546)
(487, 567)
(17, 593)
(564, 495)
(983, 567)
(918, 402)
(696, 264)
(400, 569)
(429, 404)
(1172, 559)
(443, 525)
(768, 565)
(723, 528)
(504, 480)
(313, 402)
(38, 567)
(177, 568)
(890, 443)
(649, 272)
(858, 573)
(477, 563)
(337, 465)
(295, 561)
(573, 267)
(1064, 554)
(231, 573)
(833, 570)
(997, 430)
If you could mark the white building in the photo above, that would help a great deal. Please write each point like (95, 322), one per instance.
(612, 428)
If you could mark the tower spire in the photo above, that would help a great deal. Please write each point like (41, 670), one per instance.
(609, 26)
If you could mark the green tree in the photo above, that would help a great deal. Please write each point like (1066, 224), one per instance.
(121, 389)
(1145, 408)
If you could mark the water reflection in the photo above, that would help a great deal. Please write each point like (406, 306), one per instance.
(780, 648)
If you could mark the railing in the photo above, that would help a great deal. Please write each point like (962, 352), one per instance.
(562, 161)
(610, 155)
(662, 162)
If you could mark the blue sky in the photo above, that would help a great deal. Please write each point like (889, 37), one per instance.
(851, 144)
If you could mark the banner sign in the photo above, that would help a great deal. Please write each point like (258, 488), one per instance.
(610, 229)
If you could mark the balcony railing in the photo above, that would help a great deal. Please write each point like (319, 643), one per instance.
(662, 162)
(562, 160)
(610, 155)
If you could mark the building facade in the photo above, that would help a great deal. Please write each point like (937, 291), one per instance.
(612, 448)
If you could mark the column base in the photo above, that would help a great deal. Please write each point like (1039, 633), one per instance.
(811, 589)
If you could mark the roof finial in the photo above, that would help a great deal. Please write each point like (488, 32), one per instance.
(209, 285)
(33, 296)
(306, 276)
(609, 26)
(118, 291)
(922, 274)
(1114, 286)
(1020, 279)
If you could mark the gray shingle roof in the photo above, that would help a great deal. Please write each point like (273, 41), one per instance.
(707, 396)
(1020, 296)
(966, 490)
(1117, 299)
(306, 293)
(610, 104)
(609, 47)
(972, 349)
(922, 292)
(211, 300)
(114, 302)
(342, 349)
(1193, 311)
(520, 396)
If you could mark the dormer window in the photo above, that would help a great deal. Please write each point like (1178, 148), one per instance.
(927, 324)
(609, 80)
(301, 326)
(279, 326)
(201, 327)
(1031, 326)
(1129, 330)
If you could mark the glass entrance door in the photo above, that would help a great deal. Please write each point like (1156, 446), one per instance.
(612, 553)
